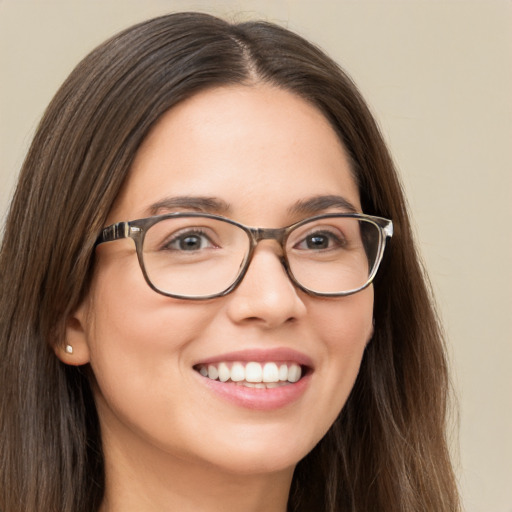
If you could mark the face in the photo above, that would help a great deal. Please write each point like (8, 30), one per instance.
(258, 151)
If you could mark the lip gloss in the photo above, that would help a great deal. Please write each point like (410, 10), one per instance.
(255, 398)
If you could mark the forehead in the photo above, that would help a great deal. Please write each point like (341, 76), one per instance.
(255, 148)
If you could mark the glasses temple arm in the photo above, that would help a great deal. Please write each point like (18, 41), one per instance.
(388, 229)
(114, 232)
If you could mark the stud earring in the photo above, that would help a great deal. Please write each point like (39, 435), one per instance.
(69, 349)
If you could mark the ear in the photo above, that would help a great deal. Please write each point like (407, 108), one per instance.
(74, 349)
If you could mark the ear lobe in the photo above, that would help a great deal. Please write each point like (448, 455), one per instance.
(74, 350)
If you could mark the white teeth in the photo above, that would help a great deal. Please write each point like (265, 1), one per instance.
(283, 373)
(294, 373)
(253, 372)
(237, 372)
(269, 374)
(213, 373)
(262, 385)
(224, 373)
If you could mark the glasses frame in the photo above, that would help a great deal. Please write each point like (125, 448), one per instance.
(137, 229)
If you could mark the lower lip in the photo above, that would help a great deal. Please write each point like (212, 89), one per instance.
(258, 399)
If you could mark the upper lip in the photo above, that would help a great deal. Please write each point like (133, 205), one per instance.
(281, 354)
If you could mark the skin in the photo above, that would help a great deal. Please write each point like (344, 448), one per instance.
(171, 443)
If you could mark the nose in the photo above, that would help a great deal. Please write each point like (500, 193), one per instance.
(266, 296)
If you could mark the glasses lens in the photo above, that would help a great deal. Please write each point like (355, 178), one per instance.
(334, 255)
(194, 256)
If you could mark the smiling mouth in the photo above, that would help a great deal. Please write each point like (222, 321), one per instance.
(253, 374)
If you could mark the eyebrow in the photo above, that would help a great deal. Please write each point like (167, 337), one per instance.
(318, 204)
(202, 204)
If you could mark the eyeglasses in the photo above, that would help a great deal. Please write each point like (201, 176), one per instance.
(202, 256)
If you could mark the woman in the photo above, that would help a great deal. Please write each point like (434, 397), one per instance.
(204, 364)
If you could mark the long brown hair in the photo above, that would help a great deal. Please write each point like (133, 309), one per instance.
(387, 450)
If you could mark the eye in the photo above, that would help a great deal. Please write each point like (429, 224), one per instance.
(190, 240)
(320, 241)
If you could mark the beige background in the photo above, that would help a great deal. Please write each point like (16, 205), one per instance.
(438, 75)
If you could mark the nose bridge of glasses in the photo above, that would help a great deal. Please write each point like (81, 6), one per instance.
(259, 234)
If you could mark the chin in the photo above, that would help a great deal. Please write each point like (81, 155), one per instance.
(248, 464)
(262, 452)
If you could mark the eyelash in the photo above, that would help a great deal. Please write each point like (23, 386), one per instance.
(339, 241)
(186, 233)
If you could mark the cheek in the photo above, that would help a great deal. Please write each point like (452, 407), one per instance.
(143, 333)
(140, 344)
(347, 326)
(127, 315)
(138, 339)
(347, 322)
